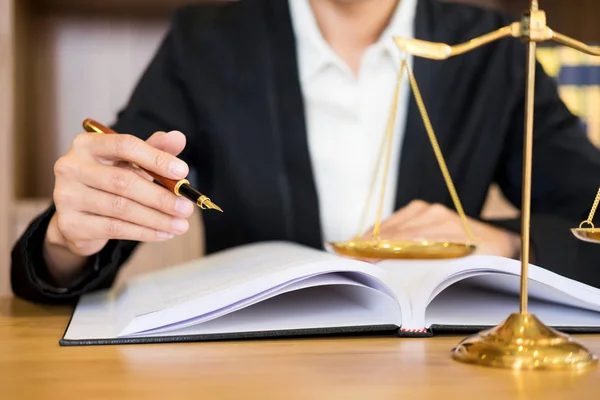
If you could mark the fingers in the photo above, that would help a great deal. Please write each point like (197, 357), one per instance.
(430, 214)
(129, 185)
(401, 217)
(437, 231)
(97, 202)
(134, 150)
(413, 210)
(171, 142)
(129, 167)
(82, 228)
(420, 220)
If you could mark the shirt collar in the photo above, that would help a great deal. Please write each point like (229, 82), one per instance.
(314, 52)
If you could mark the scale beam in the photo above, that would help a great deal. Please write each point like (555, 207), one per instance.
(443, 51)
(533, 28)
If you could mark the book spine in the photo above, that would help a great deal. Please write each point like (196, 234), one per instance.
(416, 333)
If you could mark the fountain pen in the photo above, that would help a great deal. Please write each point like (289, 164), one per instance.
(180, 188)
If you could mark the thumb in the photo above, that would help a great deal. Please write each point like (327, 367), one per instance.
(172, 142)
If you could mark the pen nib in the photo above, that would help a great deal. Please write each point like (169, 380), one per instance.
(212, 206)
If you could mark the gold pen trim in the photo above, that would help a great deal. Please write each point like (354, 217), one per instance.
(178, 185)
(203, 199)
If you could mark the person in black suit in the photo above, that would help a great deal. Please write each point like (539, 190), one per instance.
(276, 105)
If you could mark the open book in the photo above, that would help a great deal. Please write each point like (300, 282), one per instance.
(277, 289)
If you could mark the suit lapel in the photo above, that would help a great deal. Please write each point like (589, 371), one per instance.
(419, 174)
(256, 104)
(296, 180)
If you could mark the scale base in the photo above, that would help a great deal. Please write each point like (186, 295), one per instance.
(388, 249)
(523, 342)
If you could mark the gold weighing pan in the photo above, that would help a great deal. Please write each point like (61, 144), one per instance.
(591, 235)
(388, 249)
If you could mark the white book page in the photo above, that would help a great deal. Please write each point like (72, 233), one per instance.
(95, 317)
(187, 315)
(319, 307)
(425, 280)
(330, 300)
(502, 274)
(467, 303)
(234, 267)
(413, 278)
(219, 272)
(210, 285)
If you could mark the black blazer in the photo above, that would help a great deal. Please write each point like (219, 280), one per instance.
(227, 76)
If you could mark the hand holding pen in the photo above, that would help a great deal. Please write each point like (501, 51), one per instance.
(180, 187)
(104, 190)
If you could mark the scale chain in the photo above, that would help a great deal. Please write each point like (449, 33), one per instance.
(438, 155)
(592, 212)
(387, 143)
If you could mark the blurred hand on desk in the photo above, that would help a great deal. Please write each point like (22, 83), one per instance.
(420, 220)
(99, 196)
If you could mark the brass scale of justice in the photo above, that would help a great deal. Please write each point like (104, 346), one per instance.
(522, 341)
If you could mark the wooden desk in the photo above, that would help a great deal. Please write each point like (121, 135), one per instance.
(33, 366)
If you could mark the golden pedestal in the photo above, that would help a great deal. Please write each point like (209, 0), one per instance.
(523, 342)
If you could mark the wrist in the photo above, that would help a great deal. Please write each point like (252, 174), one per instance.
(514, 245)
(500, 242)
(54, 237)
(63, 265)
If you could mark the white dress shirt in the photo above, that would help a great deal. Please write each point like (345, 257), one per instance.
(346, 117)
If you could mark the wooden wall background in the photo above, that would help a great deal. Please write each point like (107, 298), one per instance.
(64, 60)
(6, 137)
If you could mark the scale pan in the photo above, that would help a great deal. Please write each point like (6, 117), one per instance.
(591, 235)
(387, 249)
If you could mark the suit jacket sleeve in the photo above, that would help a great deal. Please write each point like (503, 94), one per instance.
(159, 103)
(565, 179)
